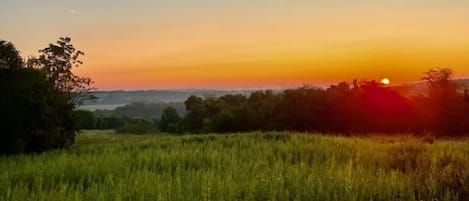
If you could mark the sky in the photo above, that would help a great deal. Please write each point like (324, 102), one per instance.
(169, 44)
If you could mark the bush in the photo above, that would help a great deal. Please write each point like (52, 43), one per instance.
(109, 122)
(169, 120)
(35, 116)
(137, 126)
(85, 119)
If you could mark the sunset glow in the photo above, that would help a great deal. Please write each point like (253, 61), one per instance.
(385, 81)
(246, 44)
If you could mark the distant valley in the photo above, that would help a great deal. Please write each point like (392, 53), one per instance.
(108, 100)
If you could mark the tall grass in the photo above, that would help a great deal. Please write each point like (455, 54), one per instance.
(252, 166)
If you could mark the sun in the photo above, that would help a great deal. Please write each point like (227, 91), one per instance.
(385, 81)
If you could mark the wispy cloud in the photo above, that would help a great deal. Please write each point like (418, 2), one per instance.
(72, 11)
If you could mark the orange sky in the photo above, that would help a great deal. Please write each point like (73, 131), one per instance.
(218, 44)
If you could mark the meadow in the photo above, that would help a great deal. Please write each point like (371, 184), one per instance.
(282, 166)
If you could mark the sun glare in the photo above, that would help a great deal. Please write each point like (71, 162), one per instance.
(385, 81)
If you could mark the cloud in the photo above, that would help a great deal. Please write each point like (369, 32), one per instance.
(72, 11)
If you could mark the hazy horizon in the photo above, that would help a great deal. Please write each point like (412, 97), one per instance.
(246, 44)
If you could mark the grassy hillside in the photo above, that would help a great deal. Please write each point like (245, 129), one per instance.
(252, 166)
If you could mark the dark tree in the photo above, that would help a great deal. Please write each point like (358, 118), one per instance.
(37, 100)
(169, 120)
(137, 126)
(259, 110)
(111, 122)
(85, 119)
(9, 56)
(196, 114)
(20, 107)
(58, 60)
(444, 106)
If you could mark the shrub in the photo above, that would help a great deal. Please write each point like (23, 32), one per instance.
(137, 126)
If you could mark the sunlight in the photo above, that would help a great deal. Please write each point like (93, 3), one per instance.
(385, 81)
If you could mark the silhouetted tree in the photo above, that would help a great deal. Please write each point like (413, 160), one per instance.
(21, 110)
(58, 60)
(112, 122)
(223, 114)
(9, 56)
(360, 108)
(299, 109)
(85, 119)
(169, 120)
(196, 114)
(444, 104)
(144, 109)
(386, 110)
(341, 109)
(37, 102)
(259, 110)
(137, 126)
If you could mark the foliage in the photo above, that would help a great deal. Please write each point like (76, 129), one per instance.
(360, 107)
(9, 56)
(37, 98)
(143, 110)
(35, 117)
(85, 119)
(252, 166)
(197, 111)
(58, 60)
(112, 122)
(137, 126)
(169, 120)
(446, 109)
(90, 121)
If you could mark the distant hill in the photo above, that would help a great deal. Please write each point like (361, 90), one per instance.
(111, 99)
(108, 100)
(142, 110)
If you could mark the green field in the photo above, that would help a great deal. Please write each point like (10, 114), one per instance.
(252, 166)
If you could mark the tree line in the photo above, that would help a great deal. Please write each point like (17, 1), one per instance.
(360, 107)
(142, 109)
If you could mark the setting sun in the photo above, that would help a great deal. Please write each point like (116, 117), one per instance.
(385, 81)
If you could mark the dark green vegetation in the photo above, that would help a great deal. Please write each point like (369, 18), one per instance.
(169, 120)
(121, 97)
(33, 120)
(90, 120)
(38, 97)
(142, 110)
(252, 166)
(137, 118)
